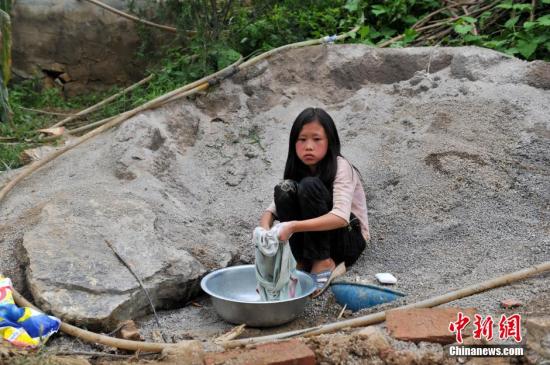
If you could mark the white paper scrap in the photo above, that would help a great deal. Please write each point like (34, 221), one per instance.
(386, 278)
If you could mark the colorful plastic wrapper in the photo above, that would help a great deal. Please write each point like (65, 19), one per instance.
(23, 327)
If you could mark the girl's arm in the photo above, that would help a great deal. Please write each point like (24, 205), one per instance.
(266, 220)
(325, 222)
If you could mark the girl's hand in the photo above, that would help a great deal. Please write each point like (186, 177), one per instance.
(286, 230)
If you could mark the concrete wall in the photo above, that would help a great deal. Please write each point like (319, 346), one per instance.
(78, 44)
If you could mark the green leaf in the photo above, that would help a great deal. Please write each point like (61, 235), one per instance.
(546, 1)
(472, 38)
(368, 42)
(374, 33)
(529, 25)
(511, 51)
(526, 48)
(388, 32)
(364, 31)
(468, 19)
(379, 9)
(409, 35)
(409, 19)
(511, 22)
(462, 28)
(352, 5)
(522, 7)
(544, 20)
(508, 4)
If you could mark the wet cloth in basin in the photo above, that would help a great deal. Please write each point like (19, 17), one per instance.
(275, 265)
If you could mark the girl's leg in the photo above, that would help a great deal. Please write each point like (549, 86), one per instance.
(348, 243)
(288, 209)
(315, 200)
(327, 249)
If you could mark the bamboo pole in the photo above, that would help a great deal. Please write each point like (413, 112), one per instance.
(381, 316)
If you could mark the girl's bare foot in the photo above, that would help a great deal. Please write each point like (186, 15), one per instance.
(323, 265)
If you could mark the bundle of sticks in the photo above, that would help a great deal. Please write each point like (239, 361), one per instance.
(434, 27)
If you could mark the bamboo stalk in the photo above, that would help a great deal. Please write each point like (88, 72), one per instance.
(103, 102)
(381, 316)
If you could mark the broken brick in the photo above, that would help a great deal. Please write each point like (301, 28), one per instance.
(426, 324)
(510, 303)
(292, 352)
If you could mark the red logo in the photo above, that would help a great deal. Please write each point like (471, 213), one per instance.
(508, 327)
(459, 325)
(483, 327)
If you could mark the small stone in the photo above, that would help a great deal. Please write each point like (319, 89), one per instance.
(184, 353)
(375, 337)
(55, 67)
(510, 303)
(65, 77)
(129, 331)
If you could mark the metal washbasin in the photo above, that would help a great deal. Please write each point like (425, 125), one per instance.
(234, 296)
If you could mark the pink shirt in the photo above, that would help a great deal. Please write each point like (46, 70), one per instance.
(348, 196)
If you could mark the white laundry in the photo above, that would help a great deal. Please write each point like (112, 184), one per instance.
(275, 265)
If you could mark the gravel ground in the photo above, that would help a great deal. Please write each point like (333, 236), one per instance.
(453, 146)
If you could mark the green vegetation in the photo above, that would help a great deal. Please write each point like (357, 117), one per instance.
(214, 34)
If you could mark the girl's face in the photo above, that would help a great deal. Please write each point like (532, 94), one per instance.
(312, 144)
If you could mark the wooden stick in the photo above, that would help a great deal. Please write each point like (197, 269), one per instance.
(131, 17)
(103, 102)
(428, 303)
(121, 259)
(427, 17)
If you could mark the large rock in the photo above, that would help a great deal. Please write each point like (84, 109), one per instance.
(452, 145)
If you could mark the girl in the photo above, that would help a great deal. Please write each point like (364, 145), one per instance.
(321, 200)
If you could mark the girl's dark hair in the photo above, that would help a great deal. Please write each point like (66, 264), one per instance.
(295, 169)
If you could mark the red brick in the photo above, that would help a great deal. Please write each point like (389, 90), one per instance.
(292, 352)
(510, 303)
(427, 324)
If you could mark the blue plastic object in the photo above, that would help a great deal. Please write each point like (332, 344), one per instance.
(360, 296)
